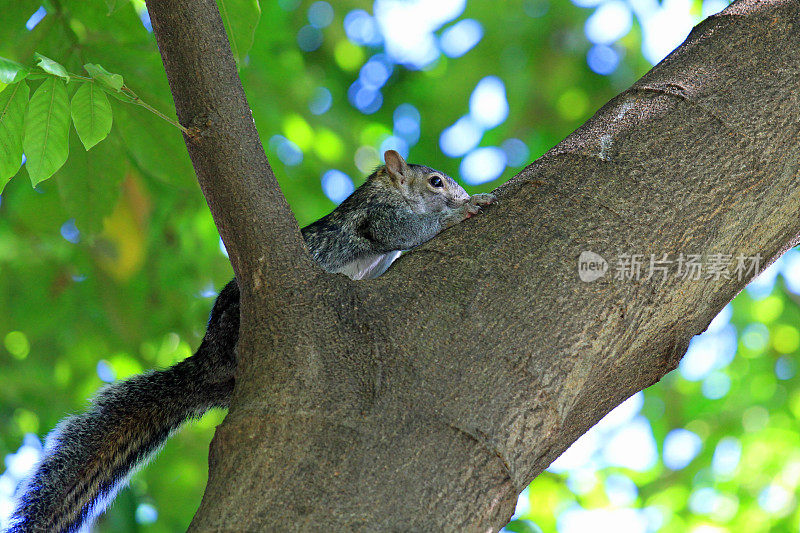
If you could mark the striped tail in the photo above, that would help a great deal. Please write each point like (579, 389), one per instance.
(90, 456)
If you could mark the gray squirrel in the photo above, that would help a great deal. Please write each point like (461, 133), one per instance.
(90, 456)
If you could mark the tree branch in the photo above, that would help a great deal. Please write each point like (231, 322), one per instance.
(427, 399)
(253, 218)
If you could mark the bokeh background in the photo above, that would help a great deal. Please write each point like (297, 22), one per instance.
(111, 266)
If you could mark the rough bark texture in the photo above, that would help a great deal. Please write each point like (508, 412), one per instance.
(427, 399)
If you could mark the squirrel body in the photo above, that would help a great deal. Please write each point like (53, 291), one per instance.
(88, 457)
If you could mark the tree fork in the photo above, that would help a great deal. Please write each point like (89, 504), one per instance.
(428, 398)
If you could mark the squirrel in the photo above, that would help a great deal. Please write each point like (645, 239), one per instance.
(88, 457)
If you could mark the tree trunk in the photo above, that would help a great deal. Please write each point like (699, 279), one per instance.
(427, 399)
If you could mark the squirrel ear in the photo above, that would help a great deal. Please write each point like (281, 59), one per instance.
(396, 165)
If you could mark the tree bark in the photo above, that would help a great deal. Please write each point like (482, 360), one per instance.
(427, 399)
(252, 215)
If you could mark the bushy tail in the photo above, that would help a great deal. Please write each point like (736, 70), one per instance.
(89, 456)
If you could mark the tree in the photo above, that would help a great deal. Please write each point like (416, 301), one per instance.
(369, 434)
(475, 401)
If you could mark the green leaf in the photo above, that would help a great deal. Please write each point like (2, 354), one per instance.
(52, 67)
(11, 71)
(46, 130)
(91, 114)
(104, 77)
(89, 184)
(240, 18)
(13, 101)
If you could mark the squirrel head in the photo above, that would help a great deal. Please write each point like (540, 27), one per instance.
(425, 189)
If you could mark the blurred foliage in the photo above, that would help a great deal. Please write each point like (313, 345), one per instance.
(109, 267)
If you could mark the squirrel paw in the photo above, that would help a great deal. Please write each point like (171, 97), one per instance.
(483, 198)
(476, 201)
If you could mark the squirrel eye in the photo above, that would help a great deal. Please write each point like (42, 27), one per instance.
(436, 182)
